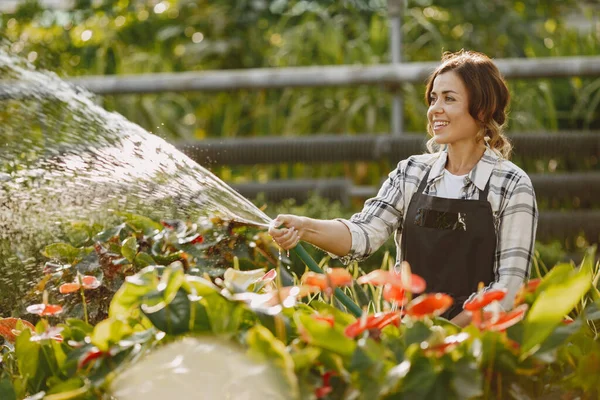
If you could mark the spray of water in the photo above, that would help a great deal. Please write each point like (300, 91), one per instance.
(63, 158)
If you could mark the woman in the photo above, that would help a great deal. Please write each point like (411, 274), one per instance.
(463, 213)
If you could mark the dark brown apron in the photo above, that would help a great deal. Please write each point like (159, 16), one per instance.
(451, 243)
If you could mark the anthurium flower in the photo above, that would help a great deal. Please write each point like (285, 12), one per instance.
(447, 345)
(377, 321)
(501, 321)
(91, 355)
(412, 282)
(324, 318)
(44, 310)
(429, 305)
(393, 293)
(52, 332)
(325, 388)
(87, 282)
(285, 296)
(526, 289)
(482, 299)
(332, 278)
(8, 328)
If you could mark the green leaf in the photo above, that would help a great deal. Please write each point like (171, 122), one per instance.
(7, 391)
(305, 358)
(265, 347)
(109, 332)
(129, 248)
(126, 300)
(467, 379)
(338, 315)
(172, 317)
(143, 259)
(550, 307)
(104, 236)
(64, 252)
(416, 333)
(322, 335)
(142, 224)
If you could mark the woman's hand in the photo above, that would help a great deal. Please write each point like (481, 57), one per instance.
(287, 230)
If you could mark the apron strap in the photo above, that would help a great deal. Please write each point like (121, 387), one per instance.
(424, 181)
(483, 194)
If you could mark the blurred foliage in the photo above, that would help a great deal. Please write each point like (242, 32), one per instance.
(103, 37)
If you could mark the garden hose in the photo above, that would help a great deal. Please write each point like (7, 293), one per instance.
(312, 265)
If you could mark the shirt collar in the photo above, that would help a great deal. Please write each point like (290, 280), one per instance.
(479, 175)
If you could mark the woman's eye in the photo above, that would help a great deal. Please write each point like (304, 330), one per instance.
(431, 100)
(449, 98)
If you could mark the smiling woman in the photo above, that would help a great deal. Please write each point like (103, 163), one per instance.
(463, 216)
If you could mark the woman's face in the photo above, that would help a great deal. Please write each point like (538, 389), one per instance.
(448, 112)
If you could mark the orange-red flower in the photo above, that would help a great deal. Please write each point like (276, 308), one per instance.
(429, 305)
(393, 293)
(413, 283)
(334, 277)
(87, 282)
(501, 321)
(482, 299)
(526, 289)
(449, 343)
(44, 310)
(8, 328)
(91, 355)
(325, 388)
(377, 321)
(324, 318)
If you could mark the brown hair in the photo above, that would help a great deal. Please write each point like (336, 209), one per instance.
(488, 96)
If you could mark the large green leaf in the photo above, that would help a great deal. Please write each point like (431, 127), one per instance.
(321, 334)
(551, 306)
(267, 348)
(109, 332)
(467, 379)
(7, 392)
(171, 317)
(65, 252)
(129, 248)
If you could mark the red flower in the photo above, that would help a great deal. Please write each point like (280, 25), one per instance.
(413, 283)
(526, 289)
(501, 321)
(333, 278)
(377, 321)
(197, 240)
(269, 276)
(87, 282)
(8, 328)
(326, 388)
(324, 318)
(91, 355)
(429, 304)
(448, 344)
(393, 293)
(44, 310)
(482, 299)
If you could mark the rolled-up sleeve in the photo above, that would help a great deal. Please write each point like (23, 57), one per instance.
(517, 224)
(379, 218)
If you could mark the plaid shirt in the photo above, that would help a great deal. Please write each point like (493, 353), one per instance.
(510, 194)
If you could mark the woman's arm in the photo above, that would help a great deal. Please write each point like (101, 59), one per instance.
(353, 239)
(330, 235)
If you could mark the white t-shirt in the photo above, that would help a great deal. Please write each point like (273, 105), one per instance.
(451, 186)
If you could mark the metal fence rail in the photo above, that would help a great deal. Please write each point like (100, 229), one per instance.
(368, 147)
(323, 76)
